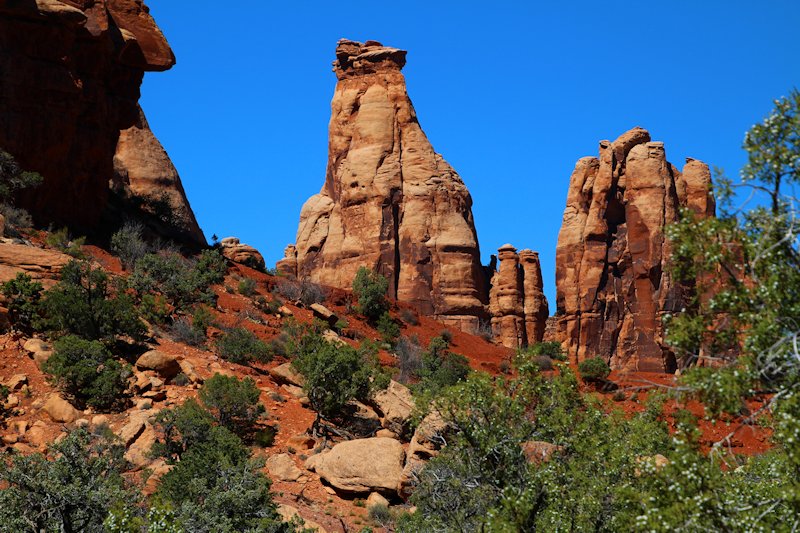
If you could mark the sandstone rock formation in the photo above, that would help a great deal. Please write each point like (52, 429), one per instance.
(517, 302)
(389, 202)
(70, 84)
(143, 172)
(612, 276)
(242, 253)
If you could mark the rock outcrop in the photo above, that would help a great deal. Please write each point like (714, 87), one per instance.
(389, 203)
(145, 175)
(70, 85)
(517, 302)
(242, 253)
(612, 277)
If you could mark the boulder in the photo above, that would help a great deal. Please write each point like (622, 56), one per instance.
(40, 264)
(362, 465)
(301, 442)
(281, 467)
(40, 351)
(326, 315)
(242, 253)
(376, 500)
(166, 365)
(60, 410)
(390, 202)
(16, 382)
(284, 373)
(395, 405)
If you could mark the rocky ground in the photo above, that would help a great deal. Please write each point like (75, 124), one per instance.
(330, 484)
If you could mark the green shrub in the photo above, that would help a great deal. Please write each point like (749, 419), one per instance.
(183, 330)
(181, 428)
(241, 346)
(441, 368)
(380, 514)
(446, 335)
(370, 289)
(16, 217)
(594, 369)
(3, 398)
(247, 287)
(82, 304)
(551, 349)
(409, 317)
(335, 374)
(409, 358)
(62, 241)
(233, 403)
(129, 245)
(388, 328)
(72, 488)
(23, 296)
(181, 281)
(265, 438)
(154, 308)
(87, 372)
(303, 291)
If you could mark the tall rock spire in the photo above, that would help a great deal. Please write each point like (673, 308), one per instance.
(613, 284)
(390, 202)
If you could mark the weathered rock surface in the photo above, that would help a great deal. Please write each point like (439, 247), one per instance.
(143, 172)
(281, 467)
(612, 277)
(242, 253)
(40, 264)
(517, 302)
(60, 410)
(389, 203)
(287, 514)
(166, 365)
(72, 72)
(395, 405)
(362, 465)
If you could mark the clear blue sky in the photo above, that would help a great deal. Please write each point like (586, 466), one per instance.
(512, 95)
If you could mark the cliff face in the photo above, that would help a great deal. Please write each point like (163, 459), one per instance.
(389, 202)
(69, 84)
(517, 302)
(612, 279)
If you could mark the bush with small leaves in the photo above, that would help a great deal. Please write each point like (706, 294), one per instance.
(388, 328)
(71, 488)
(380, 514)
(23, 296)
(594, 369)
(247, 287)
(87, 372)
(552, 349)
(409, 358)
(370, 289)
(409, 317)
(183, 330)
(16, 217)
(233, 402)
(242, 346)
(335, 375)
(62, 241)
(129, 244)
(441, 368)
(83, 304)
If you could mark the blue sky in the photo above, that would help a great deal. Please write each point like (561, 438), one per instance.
(511, 95)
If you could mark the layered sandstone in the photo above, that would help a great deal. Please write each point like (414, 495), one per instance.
(612, 277)
(517, 302)
(390, 202)
(71, 72)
